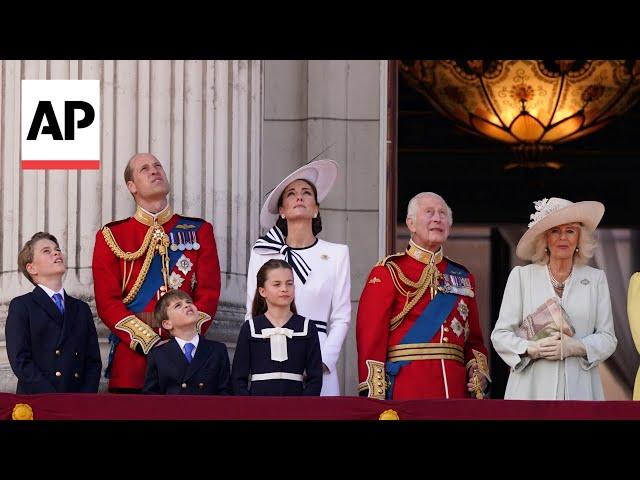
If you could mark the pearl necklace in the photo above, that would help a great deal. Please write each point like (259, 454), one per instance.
(556, 284)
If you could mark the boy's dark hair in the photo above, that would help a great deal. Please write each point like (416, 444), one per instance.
(26, 254)
(160, 310)
(316, 223)
(259, 303)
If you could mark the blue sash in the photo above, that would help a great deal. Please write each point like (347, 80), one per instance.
(154, 279)
(426, 325)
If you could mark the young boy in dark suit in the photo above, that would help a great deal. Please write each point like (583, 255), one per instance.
(52, 342)
(188, 364)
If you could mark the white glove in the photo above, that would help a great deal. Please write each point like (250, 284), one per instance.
(534, 347)
(561, 349)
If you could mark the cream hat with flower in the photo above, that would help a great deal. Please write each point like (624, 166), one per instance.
(557, 211)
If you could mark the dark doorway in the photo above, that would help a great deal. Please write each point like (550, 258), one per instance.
(500, 268)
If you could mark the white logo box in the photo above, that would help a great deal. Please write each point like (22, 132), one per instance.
(61, 141)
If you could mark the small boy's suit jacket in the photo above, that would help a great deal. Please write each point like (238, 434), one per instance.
(168, 371)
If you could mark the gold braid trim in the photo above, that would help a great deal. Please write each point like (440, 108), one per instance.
(405, 279)
(115, 248)
(140, 333)
(142, 275)
(149, 244)
(428, 278)
(478, 366)
(376, 382)
(479, 362)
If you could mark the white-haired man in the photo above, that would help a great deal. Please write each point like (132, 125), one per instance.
(417, 329)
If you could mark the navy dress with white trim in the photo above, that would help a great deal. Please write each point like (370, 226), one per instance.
(273, 361)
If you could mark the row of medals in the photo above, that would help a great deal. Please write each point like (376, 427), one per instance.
(190, 244)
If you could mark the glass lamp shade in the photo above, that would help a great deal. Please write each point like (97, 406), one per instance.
(528, 102)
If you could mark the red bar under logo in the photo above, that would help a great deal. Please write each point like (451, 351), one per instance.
(60, 164)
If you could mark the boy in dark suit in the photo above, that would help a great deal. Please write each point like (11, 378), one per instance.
(188, 364)
(52, 343)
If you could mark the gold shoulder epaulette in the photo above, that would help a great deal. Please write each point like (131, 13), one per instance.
(383, 262)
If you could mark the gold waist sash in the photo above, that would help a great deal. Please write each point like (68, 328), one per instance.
(425, 351)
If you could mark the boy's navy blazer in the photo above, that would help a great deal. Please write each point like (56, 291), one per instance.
(51, 352)
(168, 372)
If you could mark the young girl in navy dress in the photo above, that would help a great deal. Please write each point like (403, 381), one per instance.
(278, 351)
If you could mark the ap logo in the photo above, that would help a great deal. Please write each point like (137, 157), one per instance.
(60, 124)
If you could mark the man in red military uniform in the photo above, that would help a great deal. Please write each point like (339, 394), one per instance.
(137, 259)
(417, 327)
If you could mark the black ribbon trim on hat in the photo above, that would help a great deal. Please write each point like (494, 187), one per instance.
(272, 242)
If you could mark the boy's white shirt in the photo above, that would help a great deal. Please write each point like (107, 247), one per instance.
(51, 293)
(194, 341)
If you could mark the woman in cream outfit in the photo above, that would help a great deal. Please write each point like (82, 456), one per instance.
(321, 269)
(559, 242)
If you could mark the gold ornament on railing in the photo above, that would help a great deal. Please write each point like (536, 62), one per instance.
(389, 415)
(22, 411)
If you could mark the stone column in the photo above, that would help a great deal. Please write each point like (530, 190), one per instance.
(203, 121)
(311, 106)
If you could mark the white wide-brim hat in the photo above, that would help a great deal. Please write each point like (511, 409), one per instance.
(321, 173)
(557, 211)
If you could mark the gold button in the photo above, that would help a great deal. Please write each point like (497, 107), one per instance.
(445, 339)
(446, 329)
(58, 374)
(380, 384)
(201, 385)
(378, 370)
(57, 352)
(76, 375)
(184, 385)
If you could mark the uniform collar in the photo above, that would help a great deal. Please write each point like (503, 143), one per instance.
(423, 255)
(147, 218)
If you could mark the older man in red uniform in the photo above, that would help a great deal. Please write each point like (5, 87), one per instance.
(417, 328)
(137, 259)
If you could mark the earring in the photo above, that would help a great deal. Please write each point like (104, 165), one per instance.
(315, 216)
(283, 217)
(577, 250)
(546, 249)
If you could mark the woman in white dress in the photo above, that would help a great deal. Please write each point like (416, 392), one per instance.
(321, 269)
(559, 242)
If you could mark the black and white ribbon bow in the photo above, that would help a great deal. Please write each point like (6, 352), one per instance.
(272, 242)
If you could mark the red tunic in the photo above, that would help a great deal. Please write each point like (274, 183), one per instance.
(129, 364)
(423, 378)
